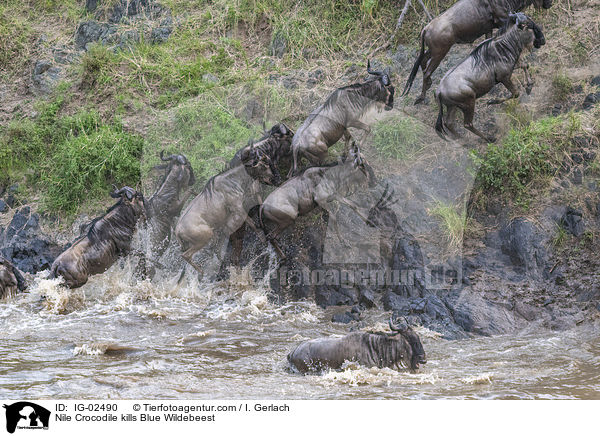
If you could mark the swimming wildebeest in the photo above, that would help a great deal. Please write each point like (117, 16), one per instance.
(11, 280)
(397, 350)
(223, 204)
(346, 107)
(492, 62)
(462, 23)
(166, 203)
(276, 144)
(108, 237)
(316, 186)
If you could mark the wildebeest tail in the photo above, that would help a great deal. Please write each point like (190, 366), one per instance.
(440, 128)
(415, 68)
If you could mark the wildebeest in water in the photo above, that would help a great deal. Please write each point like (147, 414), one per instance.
(222, 206)
(276, 144)
(108, 237)
(316, 186)
(168, 200)
(402, 349)
(346, 107)
(492, 62)
(11, 280)
(462, 23)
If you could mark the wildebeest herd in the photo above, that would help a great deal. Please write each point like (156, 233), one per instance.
(253, 178)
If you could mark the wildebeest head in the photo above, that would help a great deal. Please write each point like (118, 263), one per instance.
(359, 162)
(418, 353)
(260, 166)
(385, 91)
(284, 135)
(180, 164)
(132, 197)
(530, 32)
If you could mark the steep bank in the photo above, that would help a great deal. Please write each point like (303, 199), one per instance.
(202, 82)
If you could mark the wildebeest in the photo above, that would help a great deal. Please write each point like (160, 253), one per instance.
(223, 204)
(346, 107)
(492, 62)
(402, 349)
(316, 186)
(166, 203)
(276, 144)
(462, 23)
(108, 237)
(11, 280)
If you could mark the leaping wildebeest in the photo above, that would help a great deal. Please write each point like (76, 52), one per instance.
(316, 186)
(402, 349)
(223, 204)
(492, 62)
(11, 280)
(350, 106)
(462, 23)
(166, 203)
(276, 144)
(108, 237)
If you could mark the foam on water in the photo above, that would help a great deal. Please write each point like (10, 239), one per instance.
(354, 375)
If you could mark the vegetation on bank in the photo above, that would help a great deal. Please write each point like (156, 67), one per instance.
(70, 158)
(525, 160)
(190, 93)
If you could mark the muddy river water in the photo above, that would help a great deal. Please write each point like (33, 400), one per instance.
(113, 339)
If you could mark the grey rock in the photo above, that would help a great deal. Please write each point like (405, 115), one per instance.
(591, 100)
(45, 77)
(572, 221)
(91, 5)
(595, 81)
(278, 46)
(367, 297)
(92, 31)
(3, 206)
(160, 34)
(523, 242)
(345, 318)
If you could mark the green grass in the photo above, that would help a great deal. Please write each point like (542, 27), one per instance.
(206, 131)
(526, 160)
(562, 86)
(399, 138)
(453, 222)
(69, 159)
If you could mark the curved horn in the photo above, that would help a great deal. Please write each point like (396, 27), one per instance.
(116, 192)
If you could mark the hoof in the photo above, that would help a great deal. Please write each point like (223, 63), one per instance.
(419, 100)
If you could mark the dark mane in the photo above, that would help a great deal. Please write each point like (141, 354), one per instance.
(118, 227)
(503, 46)
(356, 93)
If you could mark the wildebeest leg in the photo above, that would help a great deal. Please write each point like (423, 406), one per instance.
(194, 242)
(529, 81)
(451, 121)
(514, 93)
(468, 110)
(347, 139)
(256, 230)
(432, 65)
(237, 239)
